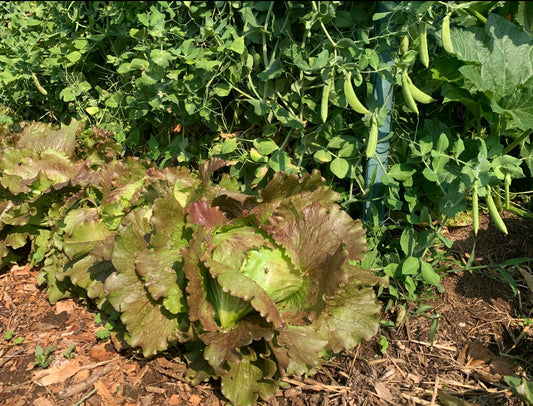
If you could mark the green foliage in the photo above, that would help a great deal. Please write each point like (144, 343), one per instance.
(69, 352)
(8, 335)
(44, 357)
(264, 87)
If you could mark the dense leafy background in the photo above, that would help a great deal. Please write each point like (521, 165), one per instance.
(262, 86)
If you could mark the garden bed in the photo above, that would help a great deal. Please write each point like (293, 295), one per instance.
(480, 338)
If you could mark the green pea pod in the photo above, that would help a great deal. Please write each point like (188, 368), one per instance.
(404, 44)
(41, 89)
(445, 35)
(406, 90)
(324, 103)
(423, 44)
(494, 214)
(351, 97)
(475, 208)
(372, 138)
(418, 95)
(507, 183)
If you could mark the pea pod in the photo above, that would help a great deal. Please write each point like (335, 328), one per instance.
(41, 89)
(418, 95)
(475, 208)
(324, 102)
(423, 44)
(494, 214)
(351, 97)
(404, 44)
(445, 35)
(406, 90)
(507, 183)
(372, 138)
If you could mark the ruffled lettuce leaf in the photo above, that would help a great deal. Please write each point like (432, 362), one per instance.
(299, 189)
(91, 271)
(225, 261)
(318, 241)
(198, 280)
(221, 346)
(40, 137)
(249, 378)
(148, 323)
(81, 230)
(159, 264)
(26, 172)
(352, 315)
(202, 214)
(298, 349)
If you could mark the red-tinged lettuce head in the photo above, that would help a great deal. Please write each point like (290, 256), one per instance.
(279, 284)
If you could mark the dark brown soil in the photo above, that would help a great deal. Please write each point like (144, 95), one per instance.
(481, 337)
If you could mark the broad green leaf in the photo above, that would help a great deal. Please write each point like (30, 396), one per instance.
(206, 64)
(161, 57)
(229, 145)
(74, 57)
(287, 118)
(245, 381)
(521, 387)
(339, 167)
(401, 172)
(430, 276)
(222, 89)
(67, 94)
(321, 60)
(408, 240)
(322, 156)
(124, 68)
(92, 110)
(281, 161)
(265, 147)
(138, 63)
(260, 107)
(430, 175)
(273, 71)
(410, 266)
(519, 106)
(237, 45)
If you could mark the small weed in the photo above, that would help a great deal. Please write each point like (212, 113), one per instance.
(18, 340)
(69, 353)
(8, 335)
(44, 357)
(383, 345)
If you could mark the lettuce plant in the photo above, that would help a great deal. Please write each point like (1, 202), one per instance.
(256, 288)
(253, 287)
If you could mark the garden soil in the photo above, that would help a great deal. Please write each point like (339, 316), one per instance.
(480, 338)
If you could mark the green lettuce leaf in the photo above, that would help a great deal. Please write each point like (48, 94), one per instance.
(148, 323)
(249, 378)
(224, 263)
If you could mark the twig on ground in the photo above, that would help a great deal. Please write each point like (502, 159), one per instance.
(416, 400)
(317, 387)
(83, 385)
